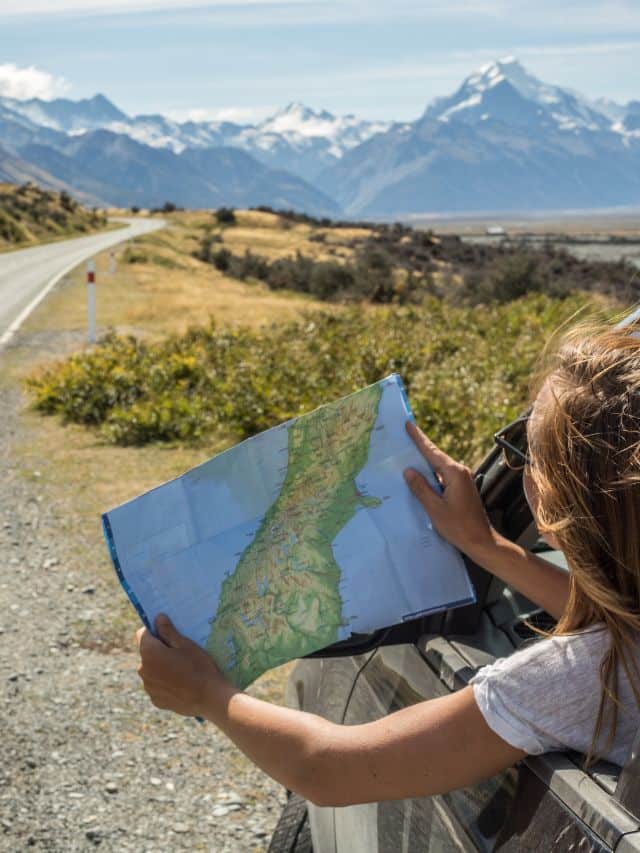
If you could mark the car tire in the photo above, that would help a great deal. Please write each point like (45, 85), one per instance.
(292, 833)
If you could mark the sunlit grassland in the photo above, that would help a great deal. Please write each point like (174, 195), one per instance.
(168, 290)
(30, 216)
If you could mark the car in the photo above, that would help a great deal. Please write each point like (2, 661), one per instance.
(545, 802)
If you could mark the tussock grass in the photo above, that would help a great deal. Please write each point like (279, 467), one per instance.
(274, 237)
(165, 290)
(31, 215)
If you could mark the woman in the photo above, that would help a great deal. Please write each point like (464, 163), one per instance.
(578, 688)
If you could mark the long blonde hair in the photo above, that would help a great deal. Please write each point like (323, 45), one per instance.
(585, 464)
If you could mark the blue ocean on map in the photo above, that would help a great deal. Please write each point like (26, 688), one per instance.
(189, 534)
(175, 546)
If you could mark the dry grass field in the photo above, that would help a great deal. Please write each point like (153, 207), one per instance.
(159, 287)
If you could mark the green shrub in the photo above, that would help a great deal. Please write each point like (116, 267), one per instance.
(466, 370)
(134, 255)
(221, 259)
(206, 251)
(370, 278)
(10, 230)
(226, 216)
(68, 203)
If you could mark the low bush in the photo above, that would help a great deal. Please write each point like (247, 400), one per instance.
(135, 255)
(208, 245)
(466, 369)
(10, 230)
(369, 277)
(226, 216)
(141, 255)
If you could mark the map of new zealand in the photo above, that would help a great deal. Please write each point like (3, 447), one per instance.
(291, 541)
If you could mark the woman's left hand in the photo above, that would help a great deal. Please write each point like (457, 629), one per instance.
(177, 674)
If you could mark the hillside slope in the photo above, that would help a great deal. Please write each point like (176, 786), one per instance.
(30, 215)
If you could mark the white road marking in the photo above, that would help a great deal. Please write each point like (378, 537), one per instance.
(36, 270)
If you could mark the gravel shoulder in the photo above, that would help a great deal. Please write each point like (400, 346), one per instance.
(85, 760)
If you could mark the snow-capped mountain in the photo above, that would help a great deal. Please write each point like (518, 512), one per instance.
(631, 119)
(301, 127)
(65, 115)
(295, 138)
(304, 141)
(105, 158)
(504, 140)
(505, 91)
(613, 111)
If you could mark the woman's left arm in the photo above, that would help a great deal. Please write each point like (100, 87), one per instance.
(429, 748)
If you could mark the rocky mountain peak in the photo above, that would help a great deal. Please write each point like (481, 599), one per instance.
(506, 91)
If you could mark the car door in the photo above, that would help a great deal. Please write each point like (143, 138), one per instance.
(395, 677)
(545, 803)
(323, 685)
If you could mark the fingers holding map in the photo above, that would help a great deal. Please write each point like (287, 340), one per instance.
(292, 540)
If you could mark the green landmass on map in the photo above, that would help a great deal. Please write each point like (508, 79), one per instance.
(283, 599)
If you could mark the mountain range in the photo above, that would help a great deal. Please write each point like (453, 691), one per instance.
(503, 141)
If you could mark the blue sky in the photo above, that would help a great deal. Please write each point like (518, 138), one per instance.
(244, 59)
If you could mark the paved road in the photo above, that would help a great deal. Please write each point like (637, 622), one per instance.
(27, 275)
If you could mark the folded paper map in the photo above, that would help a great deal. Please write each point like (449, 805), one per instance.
(292, 540)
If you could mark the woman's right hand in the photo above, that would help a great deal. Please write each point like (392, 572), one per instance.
(457, 513)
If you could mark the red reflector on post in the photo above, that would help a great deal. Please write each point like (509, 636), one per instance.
(91, 301)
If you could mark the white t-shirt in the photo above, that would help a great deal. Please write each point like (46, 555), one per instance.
(545, 697)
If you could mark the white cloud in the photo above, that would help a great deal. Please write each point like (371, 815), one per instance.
(106, 7)
(238, 115)
(457, 64)
(30, 82)
(571, 18)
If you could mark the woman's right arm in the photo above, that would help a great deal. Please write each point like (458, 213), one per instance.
(428, 748)
(458, 516)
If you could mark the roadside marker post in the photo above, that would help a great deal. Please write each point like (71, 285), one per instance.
(112, 262)
(91, 302)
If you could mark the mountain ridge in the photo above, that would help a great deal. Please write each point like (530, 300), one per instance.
(502, 140)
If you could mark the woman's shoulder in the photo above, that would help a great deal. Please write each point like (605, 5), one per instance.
(588, 641)
(545, 696)
(556, 655)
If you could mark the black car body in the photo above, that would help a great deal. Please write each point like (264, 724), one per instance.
(544, 803)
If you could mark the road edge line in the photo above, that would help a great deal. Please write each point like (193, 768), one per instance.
(22, 316)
